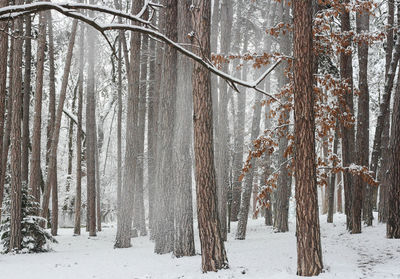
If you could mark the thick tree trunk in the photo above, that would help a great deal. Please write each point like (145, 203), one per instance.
(183, 143)
(362, 143)
(15, 160)
(213, 253)
(78, 197)
(347, 129)
(393, 222)
(164, 241)
(309, 254)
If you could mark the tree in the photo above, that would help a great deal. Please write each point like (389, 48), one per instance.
(213, 253)
(309, 254)
(15, 161)
(183, 144)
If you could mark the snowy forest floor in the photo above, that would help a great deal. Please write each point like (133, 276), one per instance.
(264, 254)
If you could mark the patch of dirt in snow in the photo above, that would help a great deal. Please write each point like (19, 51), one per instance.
(264, 254)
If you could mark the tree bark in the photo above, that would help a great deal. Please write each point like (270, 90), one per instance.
(309, 254)
(213, 253)
(35, 178)
(347, 108)
(331, 189)
(15, 160)
(78, 198)
(183, 143)
(51, 175)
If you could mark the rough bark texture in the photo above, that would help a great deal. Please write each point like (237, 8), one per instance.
(362, 140)
(35, 178)
(393, 222)
(213, 253)
(222, 135)
(183, 143)
(26, 100)
(15, 160)
(332, 183)
(78, 197)
(347, 129)
(164, 241)
(309, 254)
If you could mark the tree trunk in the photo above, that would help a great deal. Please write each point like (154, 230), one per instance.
(35, 178)
(213, 253)
(52, 167)
(78, 198)
(393, 222)
(347, 108)
(362, 143)
(26, 101)
(222, 135)
(331, 189)
(183, 144)
(309, 254)
(15, 160)
(123, 239)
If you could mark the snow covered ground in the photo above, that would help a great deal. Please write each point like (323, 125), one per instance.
(264, 254)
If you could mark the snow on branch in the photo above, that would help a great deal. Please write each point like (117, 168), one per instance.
(70, 10)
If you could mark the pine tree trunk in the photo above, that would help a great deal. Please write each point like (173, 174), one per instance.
(52, 166)
(362, 143)
(26, 101)
(164, 241)
(222, 135)
(331, 189)
(212, 246)
(183, 144)
(78, 197)
(393, 222)
(124, 225)
(347, 129)
(15, 160)
(309, 254)
(37, 122)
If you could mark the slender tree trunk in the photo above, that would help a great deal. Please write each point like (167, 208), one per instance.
(78, 198)
(26, 101)
(35, 178)
(15, 160)
(339, 193)
(51, 175)
(213, 253)
(331, 189)
(222, 135)
(309, 254)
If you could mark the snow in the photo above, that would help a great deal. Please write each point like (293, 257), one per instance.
(264, 254)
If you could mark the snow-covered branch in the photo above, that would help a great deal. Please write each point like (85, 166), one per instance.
(70, 10)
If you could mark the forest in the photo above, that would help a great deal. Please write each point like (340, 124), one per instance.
(199, 139)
